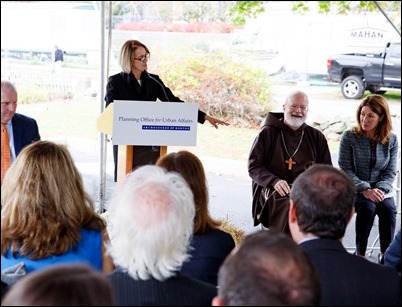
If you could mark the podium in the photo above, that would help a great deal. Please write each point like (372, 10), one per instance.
(104, 124)
(148, 123)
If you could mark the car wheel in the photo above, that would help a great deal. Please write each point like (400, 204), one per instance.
(352, 87)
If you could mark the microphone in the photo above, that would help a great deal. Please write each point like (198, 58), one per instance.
(163, 88)
(157, 148)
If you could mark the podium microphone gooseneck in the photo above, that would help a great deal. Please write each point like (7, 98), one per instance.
(163, 88)
(157, 148)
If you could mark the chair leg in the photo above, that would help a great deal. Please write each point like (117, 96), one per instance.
(370, 250)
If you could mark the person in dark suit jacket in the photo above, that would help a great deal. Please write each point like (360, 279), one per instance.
(151, 218)
(25, 130)
(321, 206)
(135, 83)
(267, 269)
(392, 255)
(22, 130)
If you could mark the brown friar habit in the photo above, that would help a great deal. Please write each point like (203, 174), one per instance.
(266, 163)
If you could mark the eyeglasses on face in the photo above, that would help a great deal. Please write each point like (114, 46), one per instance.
(8, 103)
(302, 108)
(144, 58)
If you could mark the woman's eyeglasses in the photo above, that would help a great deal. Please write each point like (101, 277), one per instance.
(144, 58)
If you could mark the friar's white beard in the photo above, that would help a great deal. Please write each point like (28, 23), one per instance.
(294, 122)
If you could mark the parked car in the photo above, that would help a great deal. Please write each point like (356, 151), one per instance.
(358, 72)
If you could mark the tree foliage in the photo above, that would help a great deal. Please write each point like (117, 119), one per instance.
(172, 11)
(237, 12)
(241, 10)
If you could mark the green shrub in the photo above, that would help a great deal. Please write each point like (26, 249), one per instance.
(221, 87)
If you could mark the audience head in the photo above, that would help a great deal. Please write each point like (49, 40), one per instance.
(267, 269)
(9, 99)
(151, 216)
(61, 285)
(190, 167)
(321, 203)
(44, 205)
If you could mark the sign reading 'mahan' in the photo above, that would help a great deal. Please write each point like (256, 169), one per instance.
(367, 36)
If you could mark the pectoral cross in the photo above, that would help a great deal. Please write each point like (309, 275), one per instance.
(289, 163)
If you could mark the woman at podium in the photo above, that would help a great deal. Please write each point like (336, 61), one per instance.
(135, 83)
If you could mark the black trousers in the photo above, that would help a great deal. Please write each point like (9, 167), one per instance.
(366, 210)
(143, 155)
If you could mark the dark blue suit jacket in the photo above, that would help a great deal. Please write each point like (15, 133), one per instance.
(179, 290)
(208, 251)
(392, 256)
(25, 130)
(349, 280)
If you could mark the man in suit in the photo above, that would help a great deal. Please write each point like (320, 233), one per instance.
(321, 206)
(151, 220)
(21, 130)
(267, 269)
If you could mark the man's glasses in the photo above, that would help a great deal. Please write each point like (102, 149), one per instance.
(8, 103)
(302, 108)
(144, 58)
